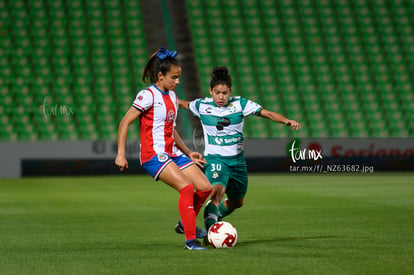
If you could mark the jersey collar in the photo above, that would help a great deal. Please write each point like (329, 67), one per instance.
(164, 93)
(228, 103)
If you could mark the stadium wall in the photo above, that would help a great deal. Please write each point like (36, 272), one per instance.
(263, 155)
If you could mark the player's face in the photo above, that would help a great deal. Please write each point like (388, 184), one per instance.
(170, 80)
(220, 94)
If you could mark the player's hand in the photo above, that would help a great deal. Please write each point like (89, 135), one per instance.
(197, 158)
(121, 162)
(293, 123)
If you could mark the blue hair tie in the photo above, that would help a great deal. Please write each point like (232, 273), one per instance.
(163, 53)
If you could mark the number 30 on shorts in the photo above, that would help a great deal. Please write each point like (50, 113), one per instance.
(215, 167)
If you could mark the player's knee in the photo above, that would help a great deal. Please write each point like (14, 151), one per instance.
(204, 187)
(198, 179)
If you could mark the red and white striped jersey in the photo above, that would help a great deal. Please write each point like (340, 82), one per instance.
(159, 112)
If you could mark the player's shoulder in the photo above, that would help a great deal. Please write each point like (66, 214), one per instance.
(146, 90)
(244, 102)
(205, 100)
(235, 98)
(145, 95)
(238, 100)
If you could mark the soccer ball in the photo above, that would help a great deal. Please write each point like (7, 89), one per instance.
(222, 235)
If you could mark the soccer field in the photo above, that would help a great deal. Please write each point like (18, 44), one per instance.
(290, 224)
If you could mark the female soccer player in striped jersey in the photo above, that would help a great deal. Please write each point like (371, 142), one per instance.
(161, 148)
(222, 119)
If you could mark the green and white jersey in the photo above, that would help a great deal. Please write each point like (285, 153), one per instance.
(223, 126)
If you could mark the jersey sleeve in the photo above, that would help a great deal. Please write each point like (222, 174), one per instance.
(194, 107)
(250, 107)
(143, 101)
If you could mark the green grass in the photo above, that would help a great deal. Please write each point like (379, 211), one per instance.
(290, 224)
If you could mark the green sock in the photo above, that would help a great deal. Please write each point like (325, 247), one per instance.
(223, 211)
(210, 215)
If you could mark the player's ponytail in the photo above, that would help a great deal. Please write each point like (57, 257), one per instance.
(160, 61)
(220, 75)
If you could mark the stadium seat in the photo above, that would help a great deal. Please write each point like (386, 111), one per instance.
(70, 56)
(342, 68)
(329, 57)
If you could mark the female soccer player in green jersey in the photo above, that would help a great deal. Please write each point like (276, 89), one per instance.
(222, 120)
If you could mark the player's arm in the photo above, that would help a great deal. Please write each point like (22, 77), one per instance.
(194, 156)
(183, 104)
(276, 117)
(129, 117)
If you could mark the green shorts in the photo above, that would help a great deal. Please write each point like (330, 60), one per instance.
(230, 172)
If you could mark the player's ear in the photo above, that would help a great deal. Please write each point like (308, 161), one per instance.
(160, 76)
(211, 91)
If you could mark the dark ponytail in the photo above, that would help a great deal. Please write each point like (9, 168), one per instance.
(220, 75)
(160, 61)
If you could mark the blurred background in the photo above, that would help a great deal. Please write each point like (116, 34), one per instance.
(70, 69)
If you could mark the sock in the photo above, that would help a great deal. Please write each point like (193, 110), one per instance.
(187, 213)
(199, 198)
(223, 210)
(210, 215)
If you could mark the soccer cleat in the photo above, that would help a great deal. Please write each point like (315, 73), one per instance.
(194, 245)
(200, 232)
(179, 228)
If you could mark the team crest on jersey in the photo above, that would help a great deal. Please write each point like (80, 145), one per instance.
(170, 115)
(140, 97)
(231, 108)
(162, 157)
(215, 175)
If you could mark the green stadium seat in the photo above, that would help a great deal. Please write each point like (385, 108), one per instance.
(350, 60)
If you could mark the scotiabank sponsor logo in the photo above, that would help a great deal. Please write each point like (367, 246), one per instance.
(371, 151)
